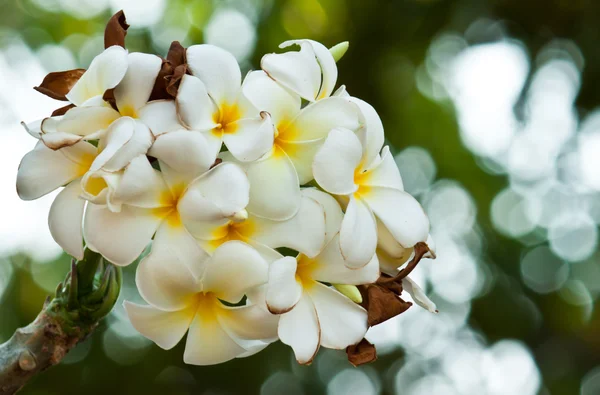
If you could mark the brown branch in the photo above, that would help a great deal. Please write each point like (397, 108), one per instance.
(88, 294)
(38, 346)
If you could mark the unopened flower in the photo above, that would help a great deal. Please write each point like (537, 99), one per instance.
(188, 296)
(311, 72)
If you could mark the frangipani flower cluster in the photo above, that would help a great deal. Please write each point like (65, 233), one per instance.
(272, 208)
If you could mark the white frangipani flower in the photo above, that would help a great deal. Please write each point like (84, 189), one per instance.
(373, 187)
(312, 313)
(185, 299)
(299, 132)
(43, 170)
(149, 200)
(212, 102)
(123, 131)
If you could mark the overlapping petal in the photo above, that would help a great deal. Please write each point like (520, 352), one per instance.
(65, 220)
(358, 234)
(105, 72)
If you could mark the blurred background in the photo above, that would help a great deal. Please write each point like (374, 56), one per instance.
(491, 109)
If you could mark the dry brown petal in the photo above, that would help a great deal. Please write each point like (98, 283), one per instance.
(116, 30)
(109, 97)
(62, 110)
(382, 304)
(176, 54)
(58, 84)
(361, 353)
(172, 71)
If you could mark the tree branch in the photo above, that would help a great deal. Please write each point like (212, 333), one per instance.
(89, 293)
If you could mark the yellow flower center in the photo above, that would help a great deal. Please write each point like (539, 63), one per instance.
(237, 229)
(168, 201)
(128, 111)
(305, 270)
(225, 118)
(361, 177)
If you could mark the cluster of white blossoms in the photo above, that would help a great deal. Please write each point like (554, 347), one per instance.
(272, 208)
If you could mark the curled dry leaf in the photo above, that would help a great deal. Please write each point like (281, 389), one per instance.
(62, 110)
(361, 353)
(382, 299)
(56, 85)
(116, 30)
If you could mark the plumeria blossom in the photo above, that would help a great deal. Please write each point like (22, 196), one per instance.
(372, 185)
(43, 170)
(182, 301)
(312, 313)
(304, 232)
(212, 102)
(121, 128)
(148, 200)
(218, 176)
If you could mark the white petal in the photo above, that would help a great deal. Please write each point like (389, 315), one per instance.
(90, 122)
(248, 323)
(299, 329)
(142, 186)
(99, 187)
(298, 71)
(165, 329)
(316, 120)
(283, 289)
(358, 234)
(185, 152)
(125, 139)
(60, 140)
(391, 254)
(235, 267)
(65, 220)
(252, 138)
(165, 278)
(33, 128)
(274, 188)
(301, 154)
(194, 105)
(105, 72)
(269, 96)
(418, 295)
(134, 90)
(333, 211)
(371, 132)
(207, 342)
(218, 69)
(226, 186)
(400, 213)
(341, 92)
(326, 62)
(336, 161)
(42, 170)
(342, 321)
(304, 232)
(330, 267)
(119, 237)
(384, 173)
(160, 116)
